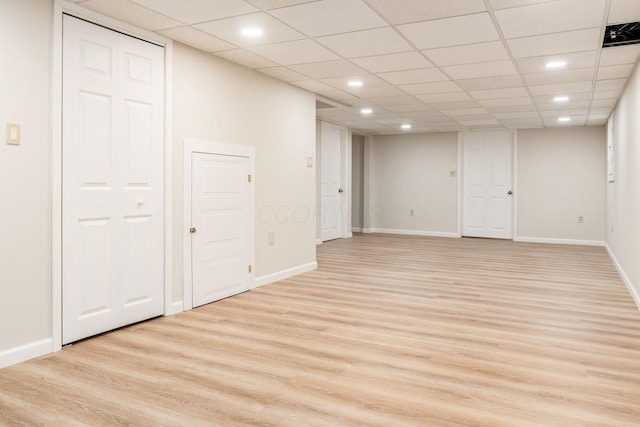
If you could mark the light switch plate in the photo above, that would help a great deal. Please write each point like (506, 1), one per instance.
(13, 134)
(309, 162)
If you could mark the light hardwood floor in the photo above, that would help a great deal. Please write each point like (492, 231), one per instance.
(389, 331)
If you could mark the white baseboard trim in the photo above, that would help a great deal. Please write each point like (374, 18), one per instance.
(559, 241)
(25, 352)
(176, 307)
(412, 232)
(318, 242)
(348, 236)
(284, 274)
(632, 290)
(356, 229)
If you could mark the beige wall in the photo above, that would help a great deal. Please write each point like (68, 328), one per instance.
(561, 175)
(220, 101)
(25, 212)
(623, 195)
(357, 180)
(412, 172)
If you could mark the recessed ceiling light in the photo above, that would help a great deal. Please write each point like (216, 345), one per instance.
(561, 98)
(251, 32)
(366, 111)
(555, 64)
(406, 126)
(564, 119)
(355, 83)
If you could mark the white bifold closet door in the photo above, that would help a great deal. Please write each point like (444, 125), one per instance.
(112, 180)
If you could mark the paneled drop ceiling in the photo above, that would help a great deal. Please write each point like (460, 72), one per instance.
(439, 65)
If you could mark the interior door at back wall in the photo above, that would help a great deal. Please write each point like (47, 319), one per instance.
(221, 216)
(488, 177)
(331, 181)
(112, 180)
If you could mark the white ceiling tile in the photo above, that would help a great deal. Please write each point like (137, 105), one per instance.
(604, 103)
(575, 60)
(624, 11)
(460, 112)
(504, 4)
(480, 70)
(275, 4)
(552, 44)
(433, 34)
(596, 121)
(426, 88)
(283, 73)
(404, 11)
(452, 105)
(194, 11)
(314, 86)
(337, 95)
(394, 100)
(393, 62)
(397, 121)
(322, 70)
(558, 77)
(554, 106)
(620, 55)
(566, 112)
(425, 75)
(428, 116)
(501, 82)
(467, 54)
(517, 115)
(246, 58)
(563, 89)
(614, 84)
(132, 13)
(601, 110)
(513, 92)
(358, 44)
(444, 97)
(295, 52)
(503, 102)
(550, 17)
(410, 108)
(197, 39)
(511, 108)
(607, 94)
(229, 29)
(326, 17)
(575, 121)
(615, 71)
(486, 122)
(376, 92)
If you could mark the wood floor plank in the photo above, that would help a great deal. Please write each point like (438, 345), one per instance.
(389, 331)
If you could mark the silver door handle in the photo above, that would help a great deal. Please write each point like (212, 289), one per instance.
(509, 192)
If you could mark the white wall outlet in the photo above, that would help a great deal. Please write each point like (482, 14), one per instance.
(580, 219)
(13, 134)
(272, 238)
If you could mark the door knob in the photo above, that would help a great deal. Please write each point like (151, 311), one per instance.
(509, 192)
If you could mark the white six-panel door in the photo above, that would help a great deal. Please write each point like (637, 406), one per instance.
(487, 184)
(331, 181)
(221, 214)
(112, 180)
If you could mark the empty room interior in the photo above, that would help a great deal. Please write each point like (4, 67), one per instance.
(320, 212)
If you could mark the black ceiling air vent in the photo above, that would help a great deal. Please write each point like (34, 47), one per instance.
(621, 34)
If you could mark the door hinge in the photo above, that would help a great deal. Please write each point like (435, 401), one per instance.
(249, 269)
(249, 178)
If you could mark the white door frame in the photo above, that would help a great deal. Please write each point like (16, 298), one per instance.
(190, 146)
(514, 181)
(61, 7)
